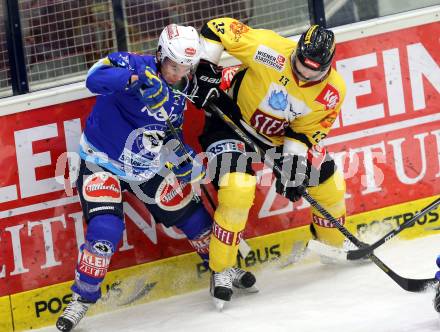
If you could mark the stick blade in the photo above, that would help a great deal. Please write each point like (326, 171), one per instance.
(325, 250)
(419, 285)
(353, 255)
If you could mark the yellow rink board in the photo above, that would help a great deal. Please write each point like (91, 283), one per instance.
(5, 314)
(374, 224)
(147, 282)
(181, 274)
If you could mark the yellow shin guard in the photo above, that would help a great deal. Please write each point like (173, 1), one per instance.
(329, 195)
(235, 198)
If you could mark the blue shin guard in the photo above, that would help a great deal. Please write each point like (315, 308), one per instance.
(103, 235)
(197, 228)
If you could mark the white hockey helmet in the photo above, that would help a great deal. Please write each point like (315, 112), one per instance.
(180, 44)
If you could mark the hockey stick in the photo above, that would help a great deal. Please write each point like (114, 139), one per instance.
(361, 252)
(356, 254)
(243, 247)
(411, 285)
(181, 145)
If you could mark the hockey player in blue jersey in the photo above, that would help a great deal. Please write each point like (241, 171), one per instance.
(127, 145)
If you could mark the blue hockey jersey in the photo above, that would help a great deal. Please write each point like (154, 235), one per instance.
(121, 134)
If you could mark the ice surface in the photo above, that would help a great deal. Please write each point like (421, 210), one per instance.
(306, 297)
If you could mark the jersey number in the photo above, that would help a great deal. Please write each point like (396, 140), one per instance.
(318, 136)
(219, 28)
(283, 80)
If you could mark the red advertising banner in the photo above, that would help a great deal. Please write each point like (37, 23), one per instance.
(387, 141)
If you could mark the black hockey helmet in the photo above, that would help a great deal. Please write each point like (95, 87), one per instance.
(316, 48)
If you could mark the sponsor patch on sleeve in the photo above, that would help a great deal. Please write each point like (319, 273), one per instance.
(270, 58)
(329, 97)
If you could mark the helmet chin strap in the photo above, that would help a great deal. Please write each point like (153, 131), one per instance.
(158, 57)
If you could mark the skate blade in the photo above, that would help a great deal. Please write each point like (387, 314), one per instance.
(250, 290)
(219, 304)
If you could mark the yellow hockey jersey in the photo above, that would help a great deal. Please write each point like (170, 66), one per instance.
(275, 106)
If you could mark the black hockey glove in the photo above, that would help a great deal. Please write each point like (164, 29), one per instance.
(295, 181)
(206, 82)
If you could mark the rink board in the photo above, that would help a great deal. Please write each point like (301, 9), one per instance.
(5, 314)
(148, 282)
(372, 225)
(184, 273)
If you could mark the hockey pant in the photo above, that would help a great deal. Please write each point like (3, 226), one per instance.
(100, 194)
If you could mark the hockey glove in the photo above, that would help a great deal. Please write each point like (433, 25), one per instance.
(206, 81)
(186, 165)
(294, 181)
(153, 92)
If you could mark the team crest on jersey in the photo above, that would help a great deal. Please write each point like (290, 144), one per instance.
(269, 57)
(278, 100)
(143, 145)
(238, 29)
(276, 110)
(102, 247)
(329, 97)
(152, 140)
(172, 195)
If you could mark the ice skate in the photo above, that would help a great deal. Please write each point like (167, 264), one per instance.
(73, 313)
(221, 287)
(224, 283)
(244, 281)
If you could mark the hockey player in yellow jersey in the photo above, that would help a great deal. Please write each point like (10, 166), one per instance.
(286, 97)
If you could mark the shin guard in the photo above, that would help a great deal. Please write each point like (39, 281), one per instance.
(235, 198)
(104, 232)
(197, 228)
(330, 195)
